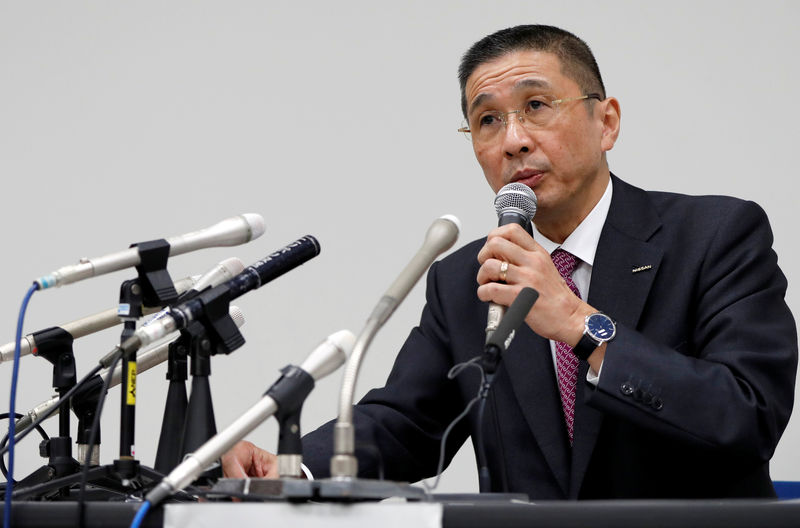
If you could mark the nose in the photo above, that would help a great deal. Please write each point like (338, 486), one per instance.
(516, 139)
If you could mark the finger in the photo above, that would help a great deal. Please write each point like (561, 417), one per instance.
(503, 294)
(232, 468)
(501, 249)
(494, 270)
(516, 234)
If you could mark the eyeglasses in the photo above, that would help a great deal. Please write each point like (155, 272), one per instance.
(538, 113)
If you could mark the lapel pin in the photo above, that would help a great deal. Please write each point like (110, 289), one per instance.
(641, 268)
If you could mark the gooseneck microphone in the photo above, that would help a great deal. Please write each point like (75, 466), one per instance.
(229, 232)
(441, 236)
(256, 275)
(326, 358)
(515, 203)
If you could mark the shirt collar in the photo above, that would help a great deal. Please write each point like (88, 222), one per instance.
(582, 242)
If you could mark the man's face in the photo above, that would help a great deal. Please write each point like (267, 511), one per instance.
(564, 162)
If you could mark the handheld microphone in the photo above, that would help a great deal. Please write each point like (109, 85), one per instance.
(188, 286)
(515, 203)
(441, 235)
(256, 275)
(145, 360)
(326, 358)
(230, 232)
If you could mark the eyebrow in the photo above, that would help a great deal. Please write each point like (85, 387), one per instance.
(530, 83)
(519, 85)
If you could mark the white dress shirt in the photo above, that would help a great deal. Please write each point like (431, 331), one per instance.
(583, 244)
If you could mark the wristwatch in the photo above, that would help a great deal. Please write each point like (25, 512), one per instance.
(598, 329)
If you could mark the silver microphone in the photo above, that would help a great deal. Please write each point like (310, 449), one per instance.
(325, 359)
(106, 319)
(441, 236)
(515, 203)
(146, 359)
(229, 232)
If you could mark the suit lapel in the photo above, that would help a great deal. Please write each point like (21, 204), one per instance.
(626, 263)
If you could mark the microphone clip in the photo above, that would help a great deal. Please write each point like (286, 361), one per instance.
(220, 327)
(154, 279)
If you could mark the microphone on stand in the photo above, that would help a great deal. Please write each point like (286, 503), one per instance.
(255, 276)
(230, 232)
(294, 381)
(108, 318)
(145, 360)
(441, 235)
(515, 203)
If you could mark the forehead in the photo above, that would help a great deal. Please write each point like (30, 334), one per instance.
(514, 71)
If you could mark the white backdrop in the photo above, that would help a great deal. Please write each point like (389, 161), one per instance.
(128, 121)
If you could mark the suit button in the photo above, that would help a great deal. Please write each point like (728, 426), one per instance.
(647, 398)
(657, 404)
(638, 395)
(626, 388)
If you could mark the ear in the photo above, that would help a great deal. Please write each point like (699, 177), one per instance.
(610, 123)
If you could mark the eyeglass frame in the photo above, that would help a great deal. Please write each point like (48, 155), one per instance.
(467, 131)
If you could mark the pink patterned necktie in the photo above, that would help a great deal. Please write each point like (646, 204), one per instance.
(566, 361)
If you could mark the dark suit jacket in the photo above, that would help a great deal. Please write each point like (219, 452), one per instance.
(696, 387)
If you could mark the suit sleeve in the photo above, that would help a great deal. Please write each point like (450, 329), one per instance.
(399, 426)
(730, 383)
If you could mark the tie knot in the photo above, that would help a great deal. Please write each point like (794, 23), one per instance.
(565, 262)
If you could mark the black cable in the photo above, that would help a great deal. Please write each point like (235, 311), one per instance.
(52, 409)
(455, 371)
(484, 480)
(92, 435)
(4, 441)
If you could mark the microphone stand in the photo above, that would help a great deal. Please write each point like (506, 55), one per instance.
(199, 424)
(153, 287)
(55, 345)
(344, 484)
(291, 391)
(496, 345)
(214, 333)
(168, 454)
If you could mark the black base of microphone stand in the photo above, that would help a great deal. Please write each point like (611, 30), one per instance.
(105, 483)
(170, 441)
(323, 490)
(199, 425)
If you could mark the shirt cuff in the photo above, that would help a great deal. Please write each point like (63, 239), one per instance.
(592, 377)
(309, 476)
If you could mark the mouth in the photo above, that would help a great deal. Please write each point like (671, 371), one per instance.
(529, 177)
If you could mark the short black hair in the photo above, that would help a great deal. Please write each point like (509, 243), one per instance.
(577, 61)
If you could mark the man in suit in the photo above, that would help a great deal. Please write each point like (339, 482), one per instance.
(659, 359)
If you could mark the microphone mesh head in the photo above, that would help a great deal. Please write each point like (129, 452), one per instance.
(516, 198)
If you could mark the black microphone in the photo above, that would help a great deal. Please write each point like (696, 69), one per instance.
(256, 275)
(497, 344)
(515, 203)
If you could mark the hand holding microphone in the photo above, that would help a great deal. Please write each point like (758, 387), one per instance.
(510, 260)
(515, 203)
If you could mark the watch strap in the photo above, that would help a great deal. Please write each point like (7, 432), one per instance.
(585, 347)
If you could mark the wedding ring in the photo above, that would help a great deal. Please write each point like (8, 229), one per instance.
(503, 270)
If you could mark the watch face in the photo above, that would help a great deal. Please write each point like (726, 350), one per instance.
(601, 327)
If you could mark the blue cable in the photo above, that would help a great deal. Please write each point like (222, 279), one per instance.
(137, 521)
(12, 404)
